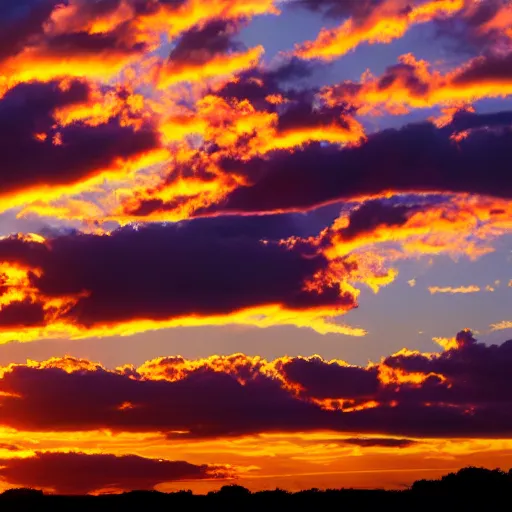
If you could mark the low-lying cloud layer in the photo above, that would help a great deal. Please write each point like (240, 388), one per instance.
(460, 392)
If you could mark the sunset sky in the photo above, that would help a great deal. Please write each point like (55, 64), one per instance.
(256, 241)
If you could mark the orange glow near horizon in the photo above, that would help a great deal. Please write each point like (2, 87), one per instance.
(257, 460)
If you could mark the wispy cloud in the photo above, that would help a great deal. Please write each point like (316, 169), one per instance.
(500, 326)
(454, 290)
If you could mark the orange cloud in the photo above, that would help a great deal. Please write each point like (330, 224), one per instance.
(45, 65)
(175, 20)
(389, 21)
(321, 391)
(218, 66)
(70, 136)
(453, 290)
(293, 461)
(374, 237)
(84, 40)
(280, 419)
(195, 179)
(357, 253)
(500, 20)
(412, 84)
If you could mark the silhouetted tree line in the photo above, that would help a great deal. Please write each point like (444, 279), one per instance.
(470, 488)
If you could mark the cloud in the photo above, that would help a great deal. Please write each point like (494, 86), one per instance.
(358, 9)
(43, 157)
(500, 326)
(453, 290)
(372, 215)
(9, 447)
(250, 270)
(456, 225)
(21, 313)
(233, 131)
(460, 392)
(20, 21)
(253, 120)
(330, 380)
(278, 79)
(259, 405)
(207, 51)
(383, 22)
(49, 40)
(384, 443)
(187, 274)
(481, 26)
(414, 84)
(80, 473)
(318, 175)
(77, 39)
(374, 235)
(261, 114)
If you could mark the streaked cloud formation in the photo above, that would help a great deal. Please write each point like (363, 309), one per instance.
(502, 325)
(407, 401)
(407, 394)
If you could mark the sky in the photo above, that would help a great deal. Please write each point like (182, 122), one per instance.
(257, 241)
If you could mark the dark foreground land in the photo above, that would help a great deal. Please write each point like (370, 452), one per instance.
(469, 489)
